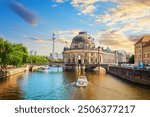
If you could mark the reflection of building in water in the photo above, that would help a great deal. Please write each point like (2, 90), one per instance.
(83, 51)
(80, 72)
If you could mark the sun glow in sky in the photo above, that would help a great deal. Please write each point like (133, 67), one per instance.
(118, 24)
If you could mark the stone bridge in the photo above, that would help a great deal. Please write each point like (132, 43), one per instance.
(57, 64)
(92, 67)
(35, 67)
(89, 67)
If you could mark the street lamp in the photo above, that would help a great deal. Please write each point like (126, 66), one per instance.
(98, 55)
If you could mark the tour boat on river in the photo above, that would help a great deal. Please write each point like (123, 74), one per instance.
(82, 81)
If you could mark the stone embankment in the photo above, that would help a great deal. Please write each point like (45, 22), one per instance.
(135, 75)
(10, 72)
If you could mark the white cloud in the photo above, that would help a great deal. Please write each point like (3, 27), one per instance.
(84, 6)
(126, 12)
(54, 5)
(60, 1)
(66, 36)
(128, 17)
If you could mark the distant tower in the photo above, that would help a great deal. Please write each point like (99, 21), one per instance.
(35, 53)
(31, 52)
(53, 38)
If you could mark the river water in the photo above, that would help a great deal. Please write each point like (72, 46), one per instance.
(60, 86)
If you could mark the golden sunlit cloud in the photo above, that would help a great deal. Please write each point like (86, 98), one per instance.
(116, 40)
(39, 39)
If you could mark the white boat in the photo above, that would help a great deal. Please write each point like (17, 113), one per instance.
(82, 81)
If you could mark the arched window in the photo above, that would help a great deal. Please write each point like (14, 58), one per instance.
(68, 60)
(96, 61)
(85, 61)
(91, 60)
(73, 60)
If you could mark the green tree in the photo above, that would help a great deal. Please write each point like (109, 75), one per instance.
(5, 52)
(12, 54)
(37, 59)
(131, 60)
(19, 53)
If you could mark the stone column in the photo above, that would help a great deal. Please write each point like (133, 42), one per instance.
(82, 58)
(76, 59)
(89, 58)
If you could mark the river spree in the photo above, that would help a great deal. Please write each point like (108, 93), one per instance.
(60, 86)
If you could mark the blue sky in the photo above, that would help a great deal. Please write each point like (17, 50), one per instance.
(111, 21)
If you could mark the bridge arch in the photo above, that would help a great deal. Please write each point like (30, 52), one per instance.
(96, 66)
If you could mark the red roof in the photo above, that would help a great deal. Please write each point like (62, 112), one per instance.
(144, 39)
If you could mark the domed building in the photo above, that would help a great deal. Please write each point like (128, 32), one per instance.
(83, 51)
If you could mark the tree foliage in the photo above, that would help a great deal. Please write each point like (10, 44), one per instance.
(55, 60)
(37, 59)
(17, 55)
(131, 60)
(12, 54)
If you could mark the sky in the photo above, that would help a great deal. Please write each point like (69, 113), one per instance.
(117, 24)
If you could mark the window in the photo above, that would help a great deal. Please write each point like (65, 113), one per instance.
(69, 60)
(91, 60)
(148, 55)
(144, 56)
(85, 54)
(85, 61)
(73, 60)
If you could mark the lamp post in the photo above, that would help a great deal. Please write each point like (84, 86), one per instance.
(98, 55)
(79, 67)
(116, 58)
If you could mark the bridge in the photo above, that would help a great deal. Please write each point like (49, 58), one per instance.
(92, 67)
(60, 64)
(35, 67)
(86, 66)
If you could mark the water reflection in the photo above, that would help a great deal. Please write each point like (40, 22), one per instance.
(10, 89)
(49, 86)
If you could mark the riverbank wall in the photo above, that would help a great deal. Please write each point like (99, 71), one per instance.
(10, 72)
(134, 75)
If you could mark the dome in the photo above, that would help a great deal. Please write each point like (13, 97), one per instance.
(108, 49)
(83, 40)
